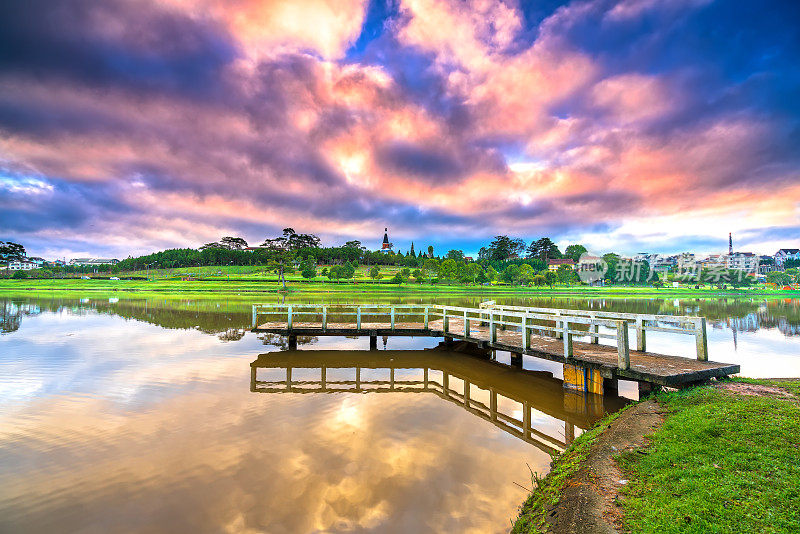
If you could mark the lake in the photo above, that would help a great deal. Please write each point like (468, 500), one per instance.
(165, 414)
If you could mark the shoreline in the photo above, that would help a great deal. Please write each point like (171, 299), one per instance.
(644, 469)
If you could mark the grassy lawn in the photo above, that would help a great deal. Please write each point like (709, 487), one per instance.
(256, 281)
(720, 463)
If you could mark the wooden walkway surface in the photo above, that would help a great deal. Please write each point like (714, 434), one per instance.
(661, 369)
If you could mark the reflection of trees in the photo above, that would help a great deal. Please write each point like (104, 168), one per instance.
(10, 317)
(282, 342)
(224, 317)
(11, 313)
(233, 334)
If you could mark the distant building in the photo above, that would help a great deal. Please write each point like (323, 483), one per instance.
(386, 246)
(786, 254)
(553, 265)
(686, 261)
(21, 265)
(766, 264)
(90, 262)
(742, 261)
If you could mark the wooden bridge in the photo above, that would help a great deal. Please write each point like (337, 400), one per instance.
(531, 405)
(594, 346)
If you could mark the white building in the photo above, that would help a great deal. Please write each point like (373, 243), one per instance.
(686, 260)
(82, 262)
(786, 254)
(742, 261)
(21, 265)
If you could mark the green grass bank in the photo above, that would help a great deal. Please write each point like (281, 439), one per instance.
(725, 459)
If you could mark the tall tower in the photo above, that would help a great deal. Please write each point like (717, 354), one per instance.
(386, 246)
(730, 244)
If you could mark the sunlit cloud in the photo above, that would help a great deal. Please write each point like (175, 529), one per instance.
(172, 123)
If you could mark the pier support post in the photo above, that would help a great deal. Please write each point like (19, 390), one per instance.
(516, 359)
(583, 379)
(254, 316)
(324, 318)
(392, 318)
(594, 329)
(558, 324)
(611, 386)
(445, 320)
(701, 340)
(358, 318)
(492, 328)
(641, 343)
(373, 342)
(289, 318)
(292, 342)
(466, 325)
(426, 317)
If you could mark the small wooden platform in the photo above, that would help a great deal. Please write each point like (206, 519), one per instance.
(661, 369)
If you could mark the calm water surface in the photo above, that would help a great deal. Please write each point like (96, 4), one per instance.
(165, 415)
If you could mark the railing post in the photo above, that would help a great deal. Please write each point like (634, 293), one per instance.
(641, 343)
(324, 318)
(700, 339)
(558, 323)
(358, 318)
(525, 338)
(466, 325)
(254, 316)
(289, 318)
(567, 340)
(426, 317)
(392, 317)
(623, 350)
(445, 320)
(527, 330)
(492, 327)
(594, 329)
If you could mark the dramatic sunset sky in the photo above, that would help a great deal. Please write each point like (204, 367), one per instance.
(128, 126)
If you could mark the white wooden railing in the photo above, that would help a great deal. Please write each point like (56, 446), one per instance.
(560, 323)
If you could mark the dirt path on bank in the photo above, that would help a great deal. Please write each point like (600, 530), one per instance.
(588, 503)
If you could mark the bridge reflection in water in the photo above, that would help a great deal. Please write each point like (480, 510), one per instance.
(523, 403)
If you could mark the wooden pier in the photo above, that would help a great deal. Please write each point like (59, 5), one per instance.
(571, 337)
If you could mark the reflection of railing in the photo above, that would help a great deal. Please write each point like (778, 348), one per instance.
(436, 374)
(561, 323)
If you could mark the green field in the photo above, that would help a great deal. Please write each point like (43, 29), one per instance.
(254, 279)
